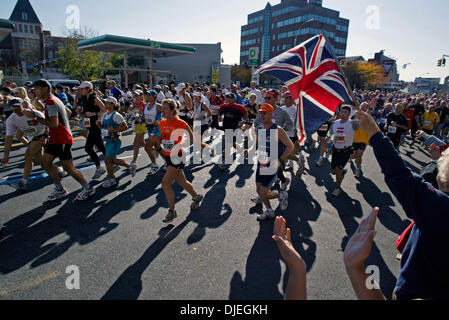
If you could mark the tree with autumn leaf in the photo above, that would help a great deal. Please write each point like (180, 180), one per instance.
(366, 75)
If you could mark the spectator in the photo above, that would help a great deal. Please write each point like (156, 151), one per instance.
(423, 266)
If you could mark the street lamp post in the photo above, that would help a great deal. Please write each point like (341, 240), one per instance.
(300, 27)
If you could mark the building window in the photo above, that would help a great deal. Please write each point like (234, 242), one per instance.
(21, 46)
(20, 28)
(25, 28)
(24, 16)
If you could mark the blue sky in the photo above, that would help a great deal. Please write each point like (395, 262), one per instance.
(412, 31)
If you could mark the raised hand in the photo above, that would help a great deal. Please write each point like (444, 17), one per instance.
(283, 238)
(359, 246)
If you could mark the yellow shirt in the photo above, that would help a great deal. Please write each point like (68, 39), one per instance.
(430, 119)
(360, 136)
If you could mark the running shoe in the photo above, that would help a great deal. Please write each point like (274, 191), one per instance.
(269, 214)
(62, 174)
(284, 185)
(164, 167)
(196, 202)
(320, 162)
(21, 186)
(301, 163)
(133, 169)
(337, 192)
(170, 216)
(98, 173)
(85, 193)
(153, 169)
(256, 200)
(109, 183)
(57, 194)
(283, 200)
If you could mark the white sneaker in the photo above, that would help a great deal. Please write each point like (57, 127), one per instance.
(269, 214)
(109, 183)
(98, 173)
(85, 193)
(337, 192)
(283, 200)
(153, 169)
(57, 194)
(256, 200)
(285, 185)
(133, 169)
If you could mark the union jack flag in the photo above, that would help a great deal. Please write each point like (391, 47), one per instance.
(311, 73)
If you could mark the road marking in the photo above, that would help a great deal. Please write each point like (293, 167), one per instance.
(31, 284)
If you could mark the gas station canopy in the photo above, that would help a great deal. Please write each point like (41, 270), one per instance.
(134, 47)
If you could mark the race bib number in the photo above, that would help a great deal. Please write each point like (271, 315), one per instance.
(324, 127)
(340, 139)
(87, 122)
(382, 121)
(168, 145)
(392, 129)
(30, 131)
(427, 123)
(148, 120)
(215, 109)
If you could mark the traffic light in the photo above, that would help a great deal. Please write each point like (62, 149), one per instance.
(440, 62)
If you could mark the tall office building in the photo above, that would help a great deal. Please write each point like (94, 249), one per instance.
(278, 28)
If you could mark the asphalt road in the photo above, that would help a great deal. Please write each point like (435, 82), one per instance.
(123, 250)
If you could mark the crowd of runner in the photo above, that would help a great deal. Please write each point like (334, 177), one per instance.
(172, 122)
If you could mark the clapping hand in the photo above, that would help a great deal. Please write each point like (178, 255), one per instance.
(359, 246)
(282, 236)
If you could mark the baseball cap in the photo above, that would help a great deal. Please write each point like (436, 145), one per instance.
(231, 96)
(265, 107)
(138, 92)
(42, 83)
(180, 87)
(112, 100)
(28, 84)
(158, 87)
(272, 93)
(86, 84)
(15, 102)
(152, 92)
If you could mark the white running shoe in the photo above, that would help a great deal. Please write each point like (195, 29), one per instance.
(133, 169)
(109, 183)
(283, 200)
(256, 200)
(85, 193)
(337, 192)
(57, 194)
(269, 214)
(153, 169)
(98, 173)
(285, 185)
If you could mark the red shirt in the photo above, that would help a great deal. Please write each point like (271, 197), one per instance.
(409, 114)
(61, 134)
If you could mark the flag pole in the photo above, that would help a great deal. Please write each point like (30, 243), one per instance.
(348, 87)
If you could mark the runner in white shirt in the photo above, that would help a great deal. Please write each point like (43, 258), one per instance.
(160, 94)
(259, 95)
(343, 131)
(36, 136)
